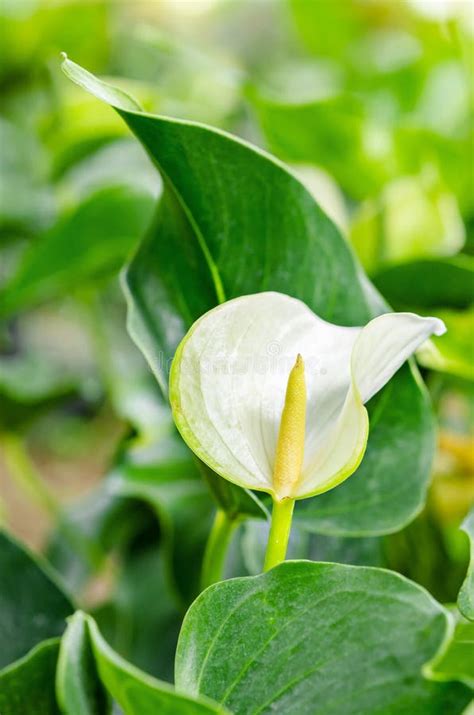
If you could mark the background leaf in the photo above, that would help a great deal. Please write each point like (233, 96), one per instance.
(454, 661)
(453, 352)
(89, 244)
(442, 283)
(32, 607)
(466, 594)
(27, 685)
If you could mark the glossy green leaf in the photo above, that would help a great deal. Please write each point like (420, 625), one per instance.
(27, 685)
(234, 221)
(455, 661)
(316, 638)
(442, 283)
(90, 243)
(466, 594)
(32, 607)
(136, 692)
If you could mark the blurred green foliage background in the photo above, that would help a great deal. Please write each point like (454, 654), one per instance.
(370, 102)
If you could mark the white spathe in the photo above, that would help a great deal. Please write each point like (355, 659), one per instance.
(229, 377)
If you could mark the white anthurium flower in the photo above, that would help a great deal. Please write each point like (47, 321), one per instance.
(231, 374)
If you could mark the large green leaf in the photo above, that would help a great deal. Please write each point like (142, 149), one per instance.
(136, 692)
(27, 685)
(442, 283)
(90, 243)
(466, 594)
(233, 221)
(32, 607)
(316, 638)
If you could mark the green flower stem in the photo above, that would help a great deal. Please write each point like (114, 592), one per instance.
(216, 548)
(282, 515)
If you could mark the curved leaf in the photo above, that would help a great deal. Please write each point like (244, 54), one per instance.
(311, 638)
(27, 685)
(79, 690)
(136, 692)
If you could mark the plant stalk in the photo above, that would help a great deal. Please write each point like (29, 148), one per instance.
(28, 478)
(216, 548)
(282, 515)
(24, 473)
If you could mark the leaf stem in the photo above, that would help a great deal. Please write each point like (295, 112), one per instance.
(29, 479)
(282, 515)
(216, 548)
(25, 474)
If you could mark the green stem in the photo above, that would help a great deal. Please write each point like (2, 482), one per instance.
(25, 474)
(28, 478)
(282, 514)
(216, 548)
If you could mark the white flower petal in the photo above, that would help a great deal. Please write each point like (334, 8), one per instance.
(229, 378)
(384, 345)
(379, 350)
